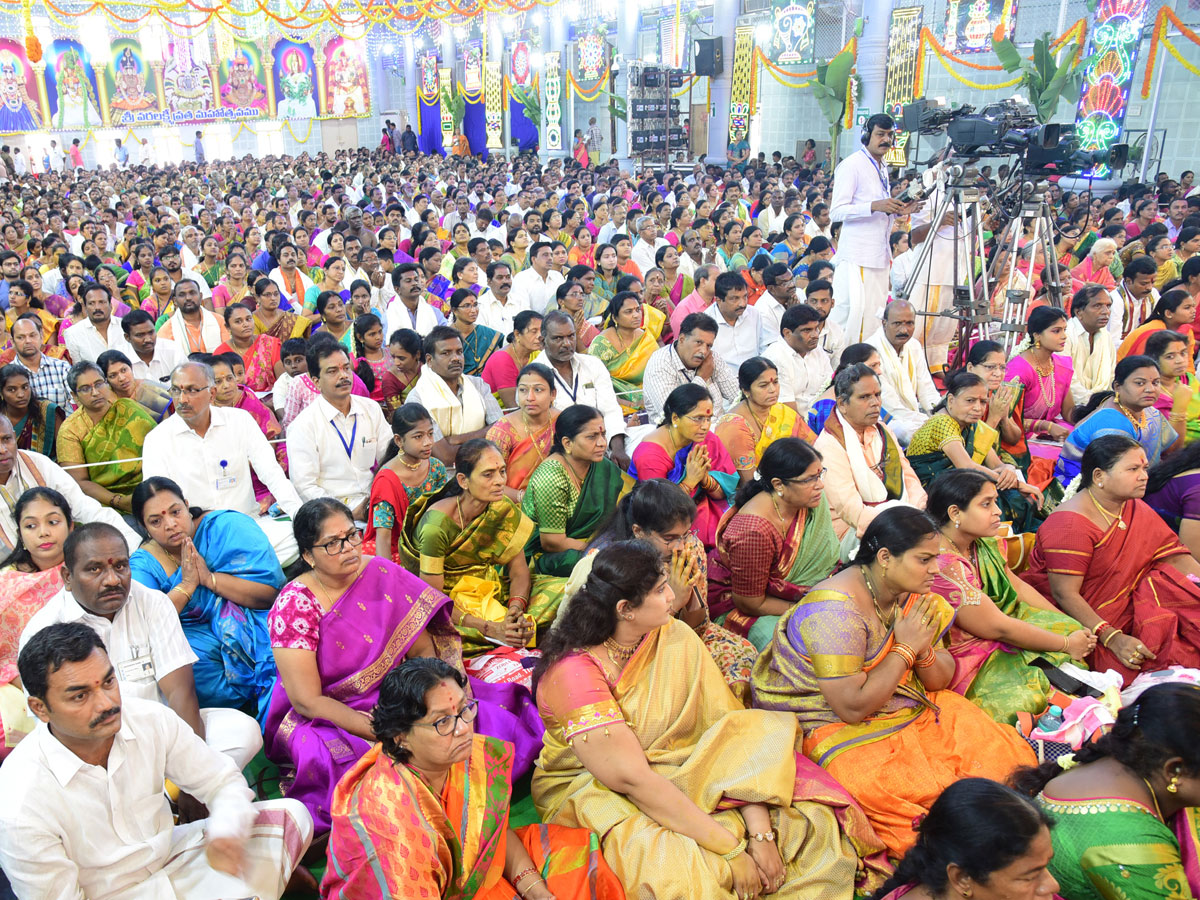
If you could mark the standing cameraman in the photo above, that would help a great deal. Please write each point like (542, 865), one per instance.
(862, 202)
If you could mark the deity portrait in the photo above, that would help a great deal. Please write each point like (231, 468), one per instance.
(77, 106)
(347, 83)
(129, 81)
(19, 111)
(297, 84)
(187, 85)
(242, 89)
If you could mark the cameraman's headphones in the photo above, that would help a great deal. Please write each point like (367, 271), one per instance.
(879, 119)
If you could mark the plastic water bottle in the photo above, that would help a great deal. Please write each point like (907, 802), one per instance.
(1051, 720)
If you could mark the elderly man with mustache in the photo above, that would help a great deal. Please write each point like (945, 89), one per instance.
(909, 393)
(339, 439)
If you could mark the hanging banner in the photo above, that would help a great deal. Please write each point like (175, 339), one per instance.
(187, 86)
(446, 78)
(428, 67)
(71, 87)
(1112, 46)
(592, 53)
(520, 65)
(792, 32)
(493, 99)
(132, 85)
(243, 83)
(473, 66)
(294, 74)
(429, 106)
(552, 79)
(20, 110)
(743, 83)
(971, 23)
(903, 44)
(346, 89)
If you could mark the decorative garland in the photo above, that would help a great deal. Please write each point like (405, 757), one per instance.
(1077, 32)
(1165, 18)
(593, 92)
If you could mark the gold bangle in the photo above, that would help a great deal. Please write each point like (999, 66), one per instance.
(1066, 647)
(213, 576)
(735, 852)
(927, 660)
(1112, 633)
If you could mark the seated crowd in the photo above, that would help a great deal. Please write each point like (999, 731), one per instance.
(546, 532)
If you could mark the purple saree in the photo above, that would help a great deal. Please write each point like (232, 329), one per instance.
(362, 637)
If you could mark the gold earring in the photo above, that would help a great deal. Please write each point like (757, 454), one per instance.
(1037, 345)
(1173, 786)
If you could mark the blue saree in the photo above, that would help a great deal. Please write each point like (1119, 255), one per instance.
(1155, 438)
(236, 668)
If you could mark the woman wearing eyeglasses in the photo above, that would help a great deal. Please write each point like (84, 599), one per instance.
(774, 543)
(335, 631)
(222, 574)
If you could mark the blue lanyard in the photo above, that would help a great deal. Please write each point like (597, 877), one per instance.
(881, 171)
(348, 446)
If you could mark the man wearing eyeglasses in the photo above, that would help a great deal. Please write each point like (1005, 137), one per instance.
(209, 451)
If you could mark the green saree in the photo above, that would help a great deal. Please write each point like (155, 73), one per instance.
(1000, 679)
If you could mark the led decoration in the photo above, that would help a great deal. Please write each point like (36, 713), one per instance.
(742, 90)
(552, 79)
(792, 32)
(590, 51)
(970, 24)
(904, 39)
(1115, 35)
(493, 109)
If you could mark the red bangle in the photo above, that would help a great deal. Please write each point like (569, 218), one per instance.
(927, 660)
(1102, 627)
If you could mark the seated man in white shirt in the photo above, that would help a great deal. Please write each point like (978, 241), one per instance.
(85, 813)
(582, 378)
(495, 310)
(99, 331)
(408, 308)
(909, 393)
(461, 406)
(153, 357)
(804, 369)
(740, 332)
(339, 439)
(193, 327)
(140, 626)
(534, 288)
(778, 298)
(221, 445)
(647, 244)
(1090, 344)
(819, 295)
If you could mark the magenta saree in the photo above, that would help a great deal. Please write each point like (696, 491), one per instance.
(362, 637)
(271, 429)
(1044, 395)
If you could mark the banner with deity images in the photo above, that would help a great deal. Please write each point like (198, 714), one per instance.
(792, 32)
(294, 76)
(187, 85)
(904, 39)
(473, 66)
(243, 83)
(591, 53)
(71, 87)
(347, 92)
(971, 23)
(21, 107)
(520, 64)
(131, 85)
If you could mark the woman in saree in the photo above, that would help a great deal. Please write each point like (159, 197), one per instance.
(525, 437)
(337, 248)
(583, 251)
(1179, 393)
(644, 746)
(1044, 372)
(1129, 409)
(35, 421)
(237, 283)
(29, 577)
(460, 237)
(425, 812)
(55, 304)
(1095, 268)
(260, 353)
(334, 321)
(570, 494)
(505, 365)
(332, 282)
(608, 272)
(773, 544)
(102, 440)
(229, 392)
(730, 249)
(1173, 492)
(464, 276)
(1110, 562)
(1005, 404)
(156, 300)
(269, 319)
(684, 449)
(957, 437)
(335, 631)
(468, 540)
(479, 342)
(192, 557)
(516, 256)
(142, 269)
(1124, 805)
(408, 471)
(1160, 249)
(676, 284)
(1174, 311)
(152, 396)
(1005, 633)
(372, 358)
(759, 419)
(571, 298)
(982, 840)
(210, 265)
(861, 662)
(20, 302)
(626, 345)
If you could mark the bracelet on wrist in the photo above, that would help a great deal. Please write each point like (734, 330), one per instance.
(764, 836)
(906, 653)
(1101, 627)
(927, 660)
(524, 873)
(735, 852)
(522, 602)
(1112, 633)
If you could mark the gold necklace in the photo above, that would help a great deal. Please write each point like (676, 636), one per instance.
(532, 437)
(1154, 797)
(1109, 518)
(1139, 423)
(875, 601)
(762, 426)
(414, 466)
(620, 653)
(775, 504)
(324, 590)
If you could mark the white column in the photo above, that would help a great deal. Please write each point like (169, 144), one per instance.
(409, 90)
(872, 52)
(725, 14)
(628, 17)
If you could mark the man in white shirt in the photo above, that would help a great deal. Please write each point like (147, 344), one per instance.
(153, 357)
(1090, 344)
(647, 244)
(863, 203)
(779, 297)
(221, 445)
(773, 215)
(172, 261)
(536, 286)
(461, 406)
(194, 328)
(408, 308)
(21, 470)
(616, 224)
(496, 310)
(691, 358)
(100, 331)
(909, 393)
(1133, 300)
(85, 813)
(740, 332)
(582, 378)
(293, 284)
(819, 295)
(818, 224)
(335, 444)
(804, 370)
(140, 626)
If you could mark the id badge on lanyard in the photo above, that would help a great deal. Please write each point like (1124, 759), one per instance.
(881, 172)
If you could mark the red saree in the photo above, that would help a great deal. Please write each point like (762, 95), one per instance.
(1127, 580)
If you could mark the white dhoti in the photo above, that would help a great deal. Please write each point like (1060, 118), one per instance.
(232, 733)
(278, 839)
(938, 331)
(283, 539)
(859, 295)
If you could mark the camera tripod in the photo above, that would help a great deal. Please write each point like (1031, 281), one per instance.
(956, 189)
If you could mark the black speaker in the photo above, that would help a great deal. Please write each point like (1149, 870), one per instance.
(710, 57)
